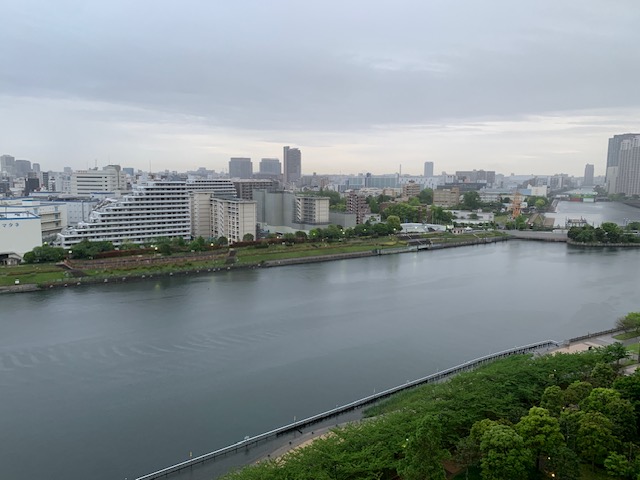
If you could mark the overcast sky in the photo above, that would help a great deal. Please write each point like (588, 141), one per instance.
(527, 86)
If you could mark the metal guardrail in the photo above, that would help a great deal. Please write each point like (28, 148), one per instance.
(596, 334)
(435, 377)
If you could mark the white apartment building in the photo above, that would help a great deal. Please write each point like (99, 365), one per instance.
(201, 215)
(233, 218)
(110, 179)
(213, 217)
(154, 209)
(311, 209)
(220, 187)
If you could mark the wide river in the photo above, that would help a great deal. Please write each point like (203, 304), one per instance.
(114, 381)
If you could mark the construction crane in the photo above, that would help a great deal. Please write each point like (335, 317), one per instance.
(516, 205)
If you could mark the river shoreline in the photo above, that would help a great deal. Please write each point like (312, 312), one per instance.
(85, 280)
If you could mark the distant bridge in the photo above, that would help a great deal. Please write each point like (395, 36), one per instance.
(433, 378)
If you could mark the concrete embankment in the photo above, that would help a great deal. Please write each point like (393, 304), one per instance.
(29, 287)
(603, 245)
(538, 236)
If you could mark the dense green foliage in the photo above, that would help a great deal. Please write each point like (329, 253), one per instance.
(608, 232)
(44, 254)
(87, 249)
(441, 216)
(367, 229)
(520, 417)
(406, 212)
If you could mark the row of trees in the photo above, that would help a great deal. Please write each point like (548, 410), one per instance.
(521, 418)
(367, 229)
(608, 232)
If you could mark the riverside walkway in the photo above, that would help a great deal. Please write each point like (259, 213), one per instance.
(251, 449)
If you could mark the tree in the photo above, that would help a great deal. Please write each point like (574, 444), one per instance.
(467, 454)
(630, 323)
(576, 392)
(405, 212)
(44, 254)
(471, 200)
(424, 453)
(614, 353)
(441, 216)
(87, 249)
(602, 375)
(393, 222)
(222, 241)
(165, 248)
(613, 233)
(619, 412)
(617, 465)
(373, 204)
(553, 400)
(504, 454)
(301, 234)
(426, 196)
(541, 433)
(540, 203)
(247, 237)
(633, 226)
(595, 437)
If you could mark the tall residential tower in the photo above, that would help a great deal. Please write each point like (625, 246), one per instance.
(292, 165)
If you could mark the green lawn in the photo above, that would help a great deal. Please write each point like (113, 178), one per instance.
(30, 274)
(625, 336)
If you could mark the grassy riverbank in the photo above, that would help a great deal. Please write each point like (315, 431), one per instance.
(143, 266)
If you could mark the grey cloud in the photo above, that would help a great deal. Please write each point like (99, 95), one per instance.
(325, 65)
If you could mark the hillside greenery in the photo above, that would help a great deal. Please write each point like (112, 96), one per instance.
(563, 416)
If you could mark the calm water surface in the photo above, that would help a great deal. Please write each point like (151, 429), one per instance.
(114, 381)
(596, 213)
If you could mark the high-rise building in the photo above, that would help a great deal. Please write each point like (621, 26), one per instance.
(628, 178)
(428, 169)
(613, 153)
(240, 167)
(357, 204)
(270, 166)
(7, 164)
(613, 159)
(22, 167)
(588, 175)
(292, 165)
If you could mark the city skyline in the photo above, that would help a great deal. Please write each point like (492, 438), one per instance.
(516, 88)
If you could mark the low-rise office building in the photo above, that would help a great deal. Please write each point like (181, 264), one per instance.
(20, 232)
